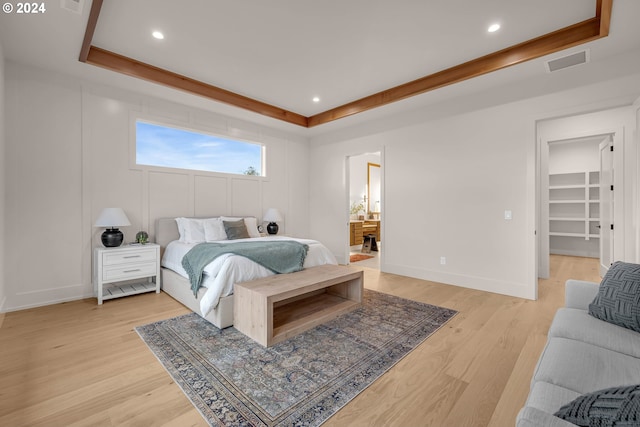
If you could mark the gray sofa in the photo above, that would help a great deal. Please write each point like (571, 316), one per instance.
(583, 354)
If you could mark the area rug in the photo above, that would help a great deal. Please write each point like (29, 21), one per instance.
(358, 257)
(234, 381)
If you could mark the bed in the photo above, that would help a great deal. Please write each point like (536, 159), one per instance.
(214, 299)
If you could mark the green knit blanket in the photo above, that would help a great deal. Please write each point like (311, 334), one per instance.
(285, 256)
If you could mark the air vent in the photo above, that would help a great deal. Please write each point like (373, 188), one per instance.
(74, 6)
(572, 60)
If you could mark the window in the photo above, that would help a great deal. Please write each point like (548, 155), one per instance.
(170, 147)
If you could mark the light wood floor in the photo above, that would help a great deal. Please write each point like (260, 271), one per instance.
(80, 364)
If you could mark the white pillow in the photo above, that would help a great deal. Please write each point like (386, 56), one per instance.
(252, 226)
(191, 230)
(214, 230)
(250, 222)
(180, 222)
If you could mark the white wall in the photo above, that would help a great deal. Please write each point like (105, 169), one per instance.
(43, 237)
(2, 182)
(447, 183)
(69, 147)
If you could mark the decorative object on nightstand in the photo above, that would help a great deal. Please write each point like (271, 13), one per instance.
(142, 237)
(112, 218)
(272, 216)
(117, 271)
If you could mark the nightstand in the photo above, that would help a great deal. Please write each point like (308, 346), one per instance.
(117, 271)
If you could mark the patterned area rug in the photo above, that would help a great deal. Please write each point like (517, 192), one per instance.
(359, 257)
(234, 381)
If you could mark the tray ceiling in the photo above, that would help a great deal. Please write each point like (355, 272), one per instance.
(273, 58)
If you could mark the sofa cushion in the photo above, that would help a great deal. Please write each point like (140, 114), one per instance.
(618, 299)
(617, 406)
(549, 397)
(579, 325)
(584, 367)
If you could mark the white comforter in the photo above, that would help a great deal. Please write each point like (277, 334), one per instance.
(224, 271)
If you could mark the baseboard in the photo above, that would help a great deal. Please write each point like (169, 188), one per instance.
(3, 302)
(519, 290)
(40, 298)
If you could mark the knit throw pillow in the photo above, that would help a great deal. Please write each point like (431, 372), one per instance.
(236, 229)
(618, 299)
(611, 407)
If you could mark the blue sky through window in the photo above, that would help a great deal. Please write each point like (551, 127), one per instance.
(164, 146)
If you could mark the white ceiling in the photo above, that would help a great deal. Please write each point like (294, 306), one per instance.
(285, 52)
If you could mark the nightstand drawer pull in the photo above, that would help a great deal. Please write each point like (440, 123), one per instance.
(129, 256)
(133, 271)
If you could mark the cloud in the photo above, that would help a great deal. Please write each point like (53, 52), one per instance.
(176, 148)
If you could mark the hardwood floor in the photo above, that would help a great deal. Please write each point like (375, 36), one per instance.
(80, 364)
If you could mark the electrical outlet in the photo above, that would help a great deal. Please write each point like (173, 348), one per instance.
(443, 260)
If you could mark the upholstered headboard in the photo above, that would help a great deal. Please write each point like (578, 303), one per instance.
(166, 231)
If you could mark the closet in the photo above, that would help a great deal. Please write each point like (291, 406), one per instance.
(574, 197)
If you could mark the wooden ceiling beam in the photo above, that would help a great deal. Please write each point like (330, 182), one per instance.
(131, 67)
(531, 49)
(94, 13)
(603, 14)
(565, 38)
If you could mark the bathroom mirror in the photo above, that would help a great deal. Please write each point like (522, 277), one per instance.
(373, 189)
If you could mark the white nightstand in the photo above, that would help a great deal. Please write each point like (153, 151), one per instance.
(116, 270)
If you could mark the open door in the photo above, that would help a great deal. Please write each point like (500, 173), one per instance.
(365, 194)
(606, 205)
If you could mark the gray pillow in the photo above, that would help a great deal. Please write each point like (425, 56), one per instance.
(618, 299)
(616, 406)
(236, 229)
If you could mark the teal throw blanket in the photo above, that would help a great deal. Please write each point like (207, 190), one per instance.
(285, 256)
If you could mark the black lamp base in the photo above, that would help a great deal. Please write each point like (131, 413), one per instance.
(272, 228)
(112, 238)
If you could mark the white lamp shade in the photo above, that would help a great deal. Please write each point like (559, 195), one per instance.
(112, 217)
(272, 215)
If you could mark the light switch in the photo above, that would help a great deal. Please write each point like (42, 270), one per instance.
(508, 215)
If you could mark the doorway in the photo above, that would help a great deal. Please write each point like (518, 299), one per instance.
(576, 199)
(365, 208)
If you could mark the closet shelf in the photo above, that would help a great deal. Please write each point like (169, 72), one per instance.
(565, 187)
(574, 208)
(581, 235)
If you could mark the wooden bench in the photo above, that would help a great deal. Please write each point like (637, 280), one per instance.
(279, 307)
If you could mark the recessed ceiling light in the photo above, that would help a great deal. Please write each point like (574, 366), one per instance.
(493, 28)
(158, 35)
(316, 99)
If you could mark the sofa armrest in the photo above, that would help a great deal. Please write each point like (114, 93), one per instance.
(534, 417)
(579, 293)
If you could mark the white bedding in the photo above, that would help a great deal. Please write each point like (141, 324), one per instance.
(224, 271)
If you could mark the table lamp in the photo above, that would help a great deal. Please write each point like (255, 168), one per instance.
(272, 216)
(112, 218)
